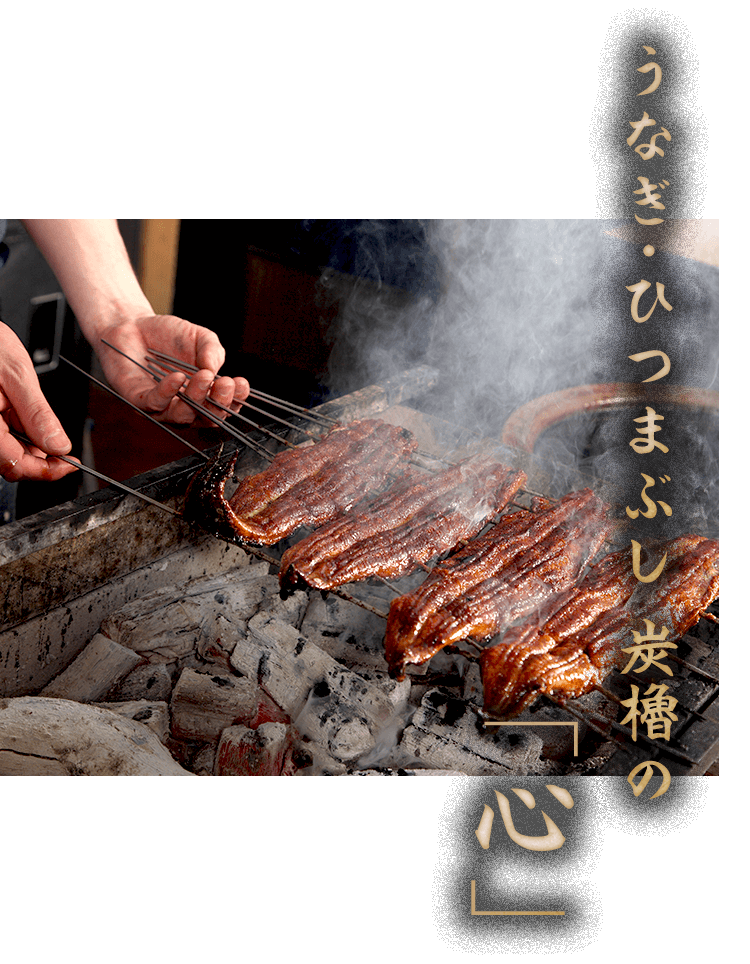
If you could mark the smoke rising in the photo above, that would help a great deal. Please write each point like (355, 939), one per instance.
(501, 309)
(510, 310)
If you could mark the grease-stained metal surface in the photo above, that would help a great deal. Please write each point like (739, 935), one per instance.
(62, 571)
(58, 554)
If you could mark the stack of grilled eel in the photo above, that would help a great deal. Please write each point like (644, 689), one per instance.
(496, 578)
(303, 486)
(417, 519)
(526, 562)
(571, 647)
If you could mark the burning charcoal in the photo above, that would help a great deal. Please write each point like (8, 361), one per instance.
(153, 714)
(169, 623)
(269, 711)
(273, 655)
(291, 610)
(203, 705)
(54, 737)
(149, 682)
(445, 734)
(95, 671)
(337, 724)
(157, 625)
(471, 682)
(346, 632)
(404, 772)
(594, 763)
(312, 760)
(263, 752)
(326, 701)
(250, 750)
(203, 761)
(218, 649)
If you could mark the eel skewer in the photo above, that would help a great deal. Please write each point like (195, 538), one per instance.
(416, 520)
(570, 650)
(516, 566)
(308, 485)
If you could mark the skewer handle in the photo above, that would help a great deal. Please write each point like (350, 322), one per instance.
(161, 425)
(198, 408)
(105, 478)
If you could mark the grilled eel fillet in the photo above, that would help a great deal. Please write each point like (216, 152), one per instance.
(497, 578)
(419, 518)
(302, 486)
(571, 649)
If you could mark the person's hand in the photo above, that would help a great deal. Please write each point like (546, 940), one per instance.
(180, 339)
(24, 408)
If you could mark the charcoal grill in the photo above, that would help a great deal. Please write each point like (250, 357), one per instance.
(63, 571)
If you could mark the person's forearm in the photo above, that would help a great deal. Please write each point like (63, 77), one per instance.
(93, 268)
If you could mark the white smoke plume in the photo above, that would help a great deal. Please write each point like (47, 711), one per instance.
(507, 311)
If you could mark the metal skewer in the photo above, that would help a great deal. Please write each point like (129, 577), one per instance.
(589, 716)
(104, 478)
(151, 362)
(255, 393)
(613, 698)
(161, 425)
(199, 408)
(157, 375)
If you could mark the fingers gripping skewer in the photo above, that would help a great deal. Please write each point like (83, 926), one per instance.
(158, 374)
(161, 425)
(162, 363)
(255, 393)
(199, 408)
(104, 478)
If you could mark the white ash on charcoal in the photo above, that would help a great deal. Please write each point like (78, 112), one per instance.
(271, 749)
(354, 636)
(233, 680)
(202, 763)
(44, 736)
(151, 713)
(328, 703)
(101, 665)
(170, 623)
(204, 704)
(265, 751)
(207, 705)
(593, 763)
(152, 681)
(347, 632)
(558, 742)
(446, 734)
(406, 772)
